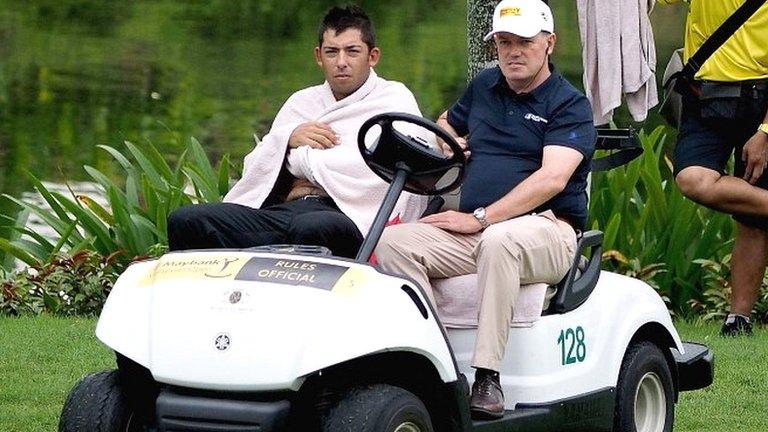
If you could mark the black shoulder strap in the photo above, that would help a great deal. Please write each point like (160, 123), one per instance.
(718, 38)
(625, 143)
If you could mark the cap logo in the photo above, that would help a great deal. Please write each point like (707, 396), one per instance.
(511, 11)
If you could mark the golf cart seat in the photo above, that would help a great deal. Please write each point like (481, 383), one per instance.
(457, 300)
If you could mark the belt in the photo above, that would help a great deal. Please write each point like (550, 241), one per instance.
(320, 198)
(755, 86)
(302, 191)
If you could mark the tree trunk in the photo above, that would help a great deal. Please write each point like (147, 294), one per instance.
(481, 54)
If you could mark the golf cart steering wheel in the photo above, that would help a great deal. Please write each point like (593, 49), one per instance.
(393, 150)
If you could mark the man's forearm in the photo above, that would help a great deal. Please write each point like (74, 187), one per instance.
(532, 192)
(557, 167)
(442, 121)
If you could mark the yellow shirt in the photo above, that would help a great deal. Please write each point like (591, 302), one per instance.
(744, 56)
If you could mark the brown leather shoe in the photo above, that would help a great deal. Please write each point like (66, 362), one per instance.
(487, 400)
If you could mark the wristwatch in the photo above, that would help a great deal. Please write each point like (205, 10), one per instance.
(479, 214)
(763, 128)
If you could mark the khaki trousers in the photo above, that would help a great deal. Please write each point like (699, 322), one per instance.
(527, 249)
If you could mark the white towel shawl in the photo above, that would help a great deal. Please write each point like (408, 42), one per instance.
(619, 56)
(340, 170)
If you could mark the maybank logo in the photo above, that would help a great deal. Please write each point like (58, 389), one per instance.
(191, 265)
(511, 11)
(198, 266)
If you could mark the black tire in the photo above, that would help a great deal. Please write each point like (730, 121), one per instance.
(97, 404)
(378, 408)
(645, 391)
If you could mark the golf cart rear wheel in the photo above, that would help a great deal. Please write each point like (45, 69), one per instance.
(378, 408)
(645, 400)
(97, 404)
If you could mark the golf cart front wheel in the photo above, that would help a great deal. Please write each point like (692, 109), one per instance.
(645, 400)
(97, 404)
(378, 408)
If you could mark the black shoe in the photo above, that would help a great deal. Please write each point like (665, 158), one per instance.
(487, 400)
(736, 326)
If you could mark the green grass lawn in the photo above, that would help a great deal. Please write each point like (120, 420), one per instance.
(41, 359)
(738, 399)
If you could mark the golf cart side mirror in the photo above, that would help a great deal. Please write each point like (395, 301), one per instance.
(578, 284)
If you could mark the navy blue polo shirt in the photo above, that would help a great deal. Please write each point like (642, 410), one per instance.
(507, 133)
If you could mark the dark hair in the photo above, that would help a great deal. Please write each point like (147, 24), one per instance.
(347, 17)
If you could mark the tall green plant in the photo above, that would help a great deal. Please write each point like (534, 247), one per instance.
(8, 248)
(646, 219)
(134, 221)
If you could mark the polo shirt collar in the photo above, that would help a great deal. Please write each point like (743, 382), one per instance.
(538, 93)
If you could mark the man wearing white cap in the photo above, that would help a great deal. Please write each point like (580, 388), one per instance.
(531, 138)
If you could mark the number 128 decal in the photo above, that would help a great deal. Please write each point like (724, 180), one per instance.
(573, 347)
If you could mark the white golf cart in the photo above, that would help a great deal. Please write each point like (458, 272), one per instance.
(289, 338)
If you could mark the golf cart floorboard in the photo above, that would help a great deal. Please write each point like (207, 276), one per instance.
(587, 412)
(695, 368)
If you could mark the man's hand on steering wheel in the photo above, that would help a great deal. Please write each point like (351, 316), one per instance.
(442, 121)
(462, 143)
(314, 134)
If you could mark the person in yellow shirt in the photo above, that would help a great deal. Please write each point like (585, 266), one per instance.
(725, 112)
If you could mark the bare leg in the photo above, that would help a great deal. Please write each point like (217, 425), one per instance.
(727, 194)
(747, 267)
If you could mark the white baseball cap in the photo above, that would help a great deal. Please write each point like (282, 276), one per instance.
(525, 18)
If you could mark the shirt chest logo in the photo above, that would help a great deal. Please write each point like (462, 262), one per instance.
(534, 117)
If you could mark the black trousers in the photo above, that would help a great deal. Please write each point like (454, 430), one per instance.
(309, 221)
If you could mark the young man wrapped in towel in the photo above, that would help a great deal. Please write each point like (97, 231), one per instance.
(306, 183)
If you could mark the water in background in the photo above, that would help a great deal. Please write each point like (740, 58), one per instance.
(78, 73)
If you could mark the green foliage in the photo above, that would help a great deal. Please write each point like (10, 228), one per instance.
(645, 218)
(283, 18)
(133, 223)
(714, 305)
(714, 302)
(66, 285)
(239, 18)
(8, 249)
(99, 16)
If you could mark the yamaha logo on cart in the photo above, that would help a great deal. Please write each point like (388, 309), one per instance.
(222, 342)
(235, 297)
